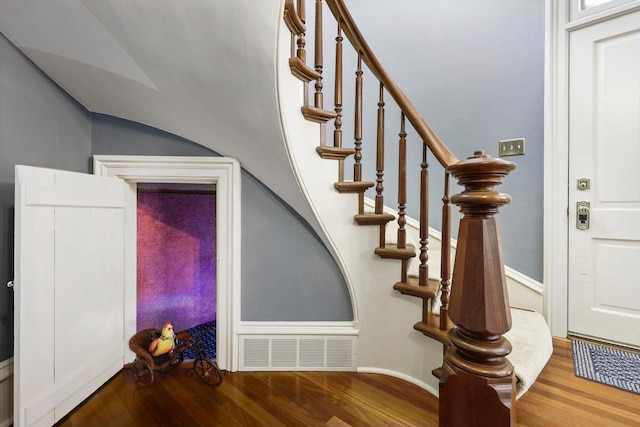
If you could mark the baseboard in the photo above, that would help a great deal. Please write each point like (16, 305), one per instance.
(421, 384)
(6, 391)
(524, 280)
(297, 346)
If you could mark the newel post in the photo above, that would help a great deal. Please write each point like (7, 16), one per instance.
(477, 386)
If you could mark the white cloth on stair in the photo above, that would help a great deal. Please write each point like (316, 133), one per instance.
(532, 347)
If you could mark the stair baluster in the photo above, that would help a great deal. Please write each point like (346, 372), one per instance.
(318, 114)
(357, 167)
(379, 200)
(402, 193)
(423, 272)
(445, 260)
(337, 133)
(317, 99)
(301, 52)
(357, 127)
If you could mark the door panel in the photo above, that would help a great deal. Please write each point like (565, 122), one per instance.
(604, 145)
(612, 289)
(69, 290)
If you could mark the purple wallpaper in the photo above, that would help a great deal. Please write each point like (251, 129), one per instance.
(176, 259)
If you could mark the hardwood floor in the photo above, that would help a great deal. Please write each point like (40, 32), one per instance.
(558, 398)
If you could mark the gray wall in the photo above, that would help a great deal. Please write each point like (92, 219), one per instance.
(287, 273)
(39, 126)
(475, 70)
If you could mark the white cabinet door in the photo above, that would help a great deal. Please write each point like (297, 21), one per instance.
(604, 146)
(69, 290)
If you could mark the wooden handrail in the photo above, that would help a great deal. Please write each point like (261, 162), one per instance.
(350, 29)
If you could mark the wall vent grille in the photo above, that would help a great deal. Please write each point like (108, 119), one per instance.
(283, 353)
(301, 353)
(338, 353)
(312, 353)
(256, 352)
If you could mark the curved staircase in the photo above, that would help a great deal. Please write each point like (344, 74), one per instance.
(468, 312)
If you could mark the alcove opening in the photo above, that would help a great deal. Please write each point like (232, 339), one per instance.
(176, 260)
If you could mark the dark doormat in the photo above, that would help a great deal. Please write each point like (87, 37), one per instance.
(606, 365)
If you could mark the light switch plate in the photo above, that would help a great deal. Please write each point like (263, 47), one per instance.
(511, 147)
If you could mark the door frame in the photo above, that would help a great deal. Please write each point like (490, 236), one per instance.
(224, 172)
(556, 152)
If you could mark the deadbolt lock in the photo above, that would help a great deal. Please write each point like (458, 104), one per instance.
(583, 211)
(584, 184)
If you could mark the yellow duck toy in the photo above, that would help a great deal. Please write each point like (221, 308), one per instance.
(165, 342)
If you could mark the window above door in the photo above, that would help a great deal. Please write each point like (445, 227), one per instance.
(583, 8)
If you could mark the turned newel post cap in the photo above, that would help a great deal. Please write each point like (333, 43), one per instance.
(481, 164)
(480, 174)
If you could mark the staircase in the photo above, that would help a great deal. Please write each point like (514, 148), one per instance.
(469, 313)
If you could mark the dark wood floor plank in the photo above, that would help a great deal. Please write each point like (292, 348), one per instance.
(376, 400)
(339, 399)
(277, 396)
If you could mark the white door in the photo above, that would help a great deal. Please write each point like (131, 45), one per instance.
(69, 290)
(604, 146)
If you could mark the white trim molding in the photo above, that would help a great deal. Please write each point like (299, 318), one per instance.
(556, 167)
(580, 17)
(6, 392)
(396, 374)
(224, 172)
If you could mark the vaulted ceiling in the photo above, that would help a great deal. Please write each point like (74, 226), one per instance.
(201, 69)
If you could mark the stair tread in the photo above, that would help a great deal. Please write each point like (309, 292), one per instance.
(334, 153)
(317, 115)
(432, 329)
(353, 186)
(395, 253)
(437, 373)
(301, 70)
(411, 287)
(373, 218)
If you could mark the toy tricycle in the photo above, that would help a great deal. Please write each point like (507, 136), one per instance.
(146, 364)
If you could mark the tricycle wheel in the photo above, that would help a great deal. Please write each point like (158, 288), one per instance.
(142, 372)
(207, 371)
